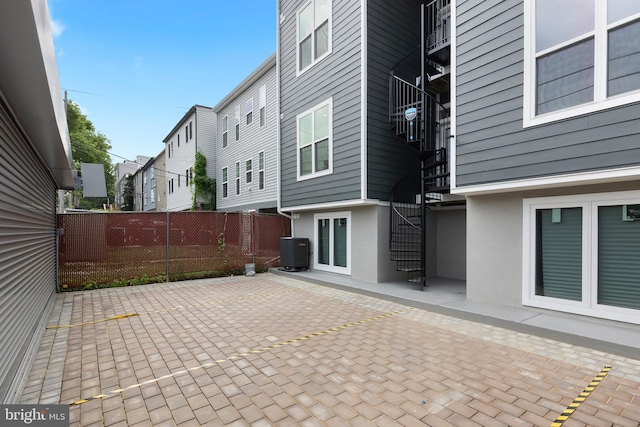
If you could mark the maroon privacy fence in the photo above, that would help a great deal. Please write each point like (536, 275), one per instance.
(101, 248)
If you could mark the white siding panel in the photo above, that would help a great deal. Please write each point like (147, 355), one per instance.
(205, 137)
(253, 140)
(181, 159)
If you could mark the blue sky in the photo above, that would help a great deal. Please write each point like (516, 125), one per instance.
(136, 66)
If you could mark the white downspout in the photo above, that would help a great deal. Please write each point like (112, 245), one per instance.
(279, 20)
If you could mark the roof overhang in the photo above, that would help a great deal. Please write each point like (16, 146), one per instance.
(30, 84)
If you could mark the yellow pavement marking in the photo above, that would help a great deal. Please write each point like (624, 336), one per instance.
(181, 307)
(564, 416)
(240, 356)
(119, 316)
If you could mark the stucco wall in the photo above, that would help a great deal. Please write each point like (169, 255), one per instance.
(452, 244)
(494, 249)
(370, 258)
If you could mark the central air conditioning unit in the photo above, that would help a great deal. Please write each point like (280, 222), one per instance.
(294, 253)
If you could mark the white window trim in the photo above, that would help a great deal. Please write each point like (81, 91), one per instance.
(225, 118)
(330, 41)
(589, 204)
(262, 170)
(249, 110)
(601, 102)
(262, 105)
(246, 172)
(237, 181)
(331, 216)
(225, 182)
(329, 170)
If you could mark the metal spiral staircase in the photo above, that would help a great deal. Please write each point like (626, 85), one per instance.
(417, 86)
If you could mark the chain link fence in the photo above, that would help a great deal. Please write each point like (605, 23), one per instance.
(143, 247)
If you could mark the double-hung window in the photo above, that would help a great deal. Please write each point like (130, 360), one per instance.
(237, 178)
(249, 111)
(261, 170)
(581, 56)
(248, 168)
(263, 105)
(237, 113)
(314, 32)
(225, 183)
(315, 141)
(225, 131)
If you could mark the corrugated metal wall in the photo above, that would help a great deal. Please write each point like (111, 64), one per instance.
(27, 246)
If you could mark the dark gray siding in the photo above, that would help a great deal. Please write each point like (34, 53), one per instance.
(337, 76)
(393, 32)
(27, 246)
(492, 145)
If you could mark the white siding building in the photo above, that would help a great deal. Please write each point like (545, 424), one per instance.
(247, 143)
(195, 131)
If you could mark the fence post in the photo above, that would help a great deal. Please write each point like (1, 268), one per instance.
(253, 238)
(168, 228)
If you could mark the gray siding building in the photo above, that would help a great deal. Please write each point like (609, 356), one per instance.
(36, 161)
(546, 151)
(340, 157)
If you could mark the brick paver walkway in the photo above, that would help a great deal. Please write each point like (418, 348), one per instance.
(275, 351)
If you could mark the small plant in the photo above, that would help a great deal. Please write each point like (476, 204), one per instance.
(118, 283)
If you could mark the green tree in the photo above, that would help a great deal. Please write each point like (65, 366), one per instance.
(127, 194)
(204, 187)
(89, 146)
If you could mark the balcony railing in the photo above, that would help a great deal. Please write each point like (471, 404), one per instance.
(437, 30)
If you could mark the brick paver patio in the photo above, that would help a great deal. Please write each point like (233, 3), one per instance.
(275, 351)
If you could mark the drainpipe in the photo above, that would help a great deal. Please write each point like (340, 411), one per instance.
(278, 121)
(423, 146)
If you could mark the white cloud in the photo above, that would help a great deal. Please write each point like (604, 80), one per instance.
(56, 28)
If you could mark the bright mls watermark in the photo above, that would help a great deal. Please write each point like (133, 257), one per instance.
(34, 415)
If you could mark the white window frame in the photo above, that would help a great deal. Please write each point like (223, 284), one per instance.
(249, 111)
(601, 101)
(329, 169)
(225, 131)
(238, 183)
(225, 182)
(248, 170)
(262, 105)
(331, 216)
(237, 127)
(314, 61)
(589, 204)
(261, 171)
